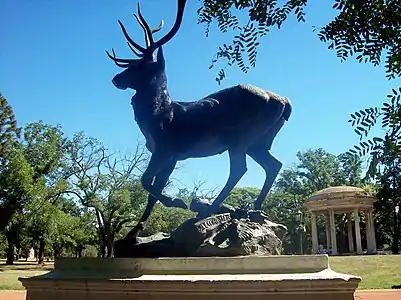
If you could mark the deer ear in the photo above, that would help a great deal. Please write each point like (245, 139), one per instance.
(160, 57)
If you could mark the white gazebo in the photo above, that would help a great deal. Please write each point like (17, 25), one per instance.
(342, 200)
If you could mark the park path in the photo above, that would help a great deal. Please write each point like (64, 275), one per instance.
(359, 295)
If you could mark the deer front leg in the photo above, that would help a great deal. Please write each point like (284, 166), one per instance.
(237, 169)
(158, 185)
(159, 170)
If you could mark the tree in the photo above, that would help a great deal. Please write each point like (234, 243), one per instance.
(103, 183)
(364, 29)
(9, 134)
(30, 177)
(40, 219)
(283, 207)
(385, 158)
(242, 197)
(316, 169)
(351, 169)
(44, 148)
(262, 16)
(387, 208)
(75, 229)
(17, 186)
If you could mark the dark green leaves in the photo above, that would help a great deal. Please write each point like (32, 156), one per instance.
(379, 148)
(363, 120)
(369, 30)
(262, 15)
(9, 132)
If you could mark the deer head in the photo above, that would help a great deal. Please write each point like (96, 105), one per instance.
(145, 72)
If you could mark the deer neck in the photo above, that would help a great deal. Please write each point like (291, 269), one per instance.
(152, 107)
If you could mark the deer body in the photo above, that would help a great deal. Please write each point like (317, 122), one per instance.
(234, 117)
(241, 119)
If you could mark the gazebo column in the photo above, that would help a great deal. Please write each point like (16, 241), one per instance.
(328, 234)
(315, 242)
(372, 227)
(333, 232)
(350, 235)
(357, 232)
(370, 232)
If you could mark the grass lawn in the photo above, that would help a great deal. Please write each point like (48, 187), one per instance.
(9, 274)
(377, 271)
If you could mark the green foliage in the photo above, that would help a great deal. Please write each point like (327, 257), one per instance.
(73, 232)
(164, 219)
(243, 197)
(364, 29)
(262, 16)
(378, 148)
(17, 185)
(40, 220)
(9, 132)
(3, 244)
(44, 147)
(29, 183)
(106, 184)
(317, 169)
(388, 206)
(283, 207)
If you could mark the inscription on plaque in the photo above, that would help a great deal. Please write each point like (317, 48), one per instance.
(212, 222)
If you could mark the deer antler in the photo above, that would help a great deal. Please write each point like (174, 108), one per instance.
(151, 45)
(146, 28)
(120, 62)
(131, 41)
(176, 26)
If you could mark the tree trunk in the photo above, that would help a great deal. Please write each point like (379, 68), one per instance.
(102, 250)
(395, 247)
(56, 251)
(78, 251)
(10, 249)
(10, 254)
(41, 252)
(109, 247)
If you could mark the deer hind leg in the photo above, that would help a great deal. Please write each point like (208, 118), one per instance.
(237, 169)
(261, 155)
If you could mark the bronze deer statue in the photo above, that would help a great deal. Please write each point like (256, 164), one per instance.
(242, 120)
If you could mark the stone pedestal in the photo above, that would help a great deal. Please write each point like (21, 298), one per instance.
(223, 278)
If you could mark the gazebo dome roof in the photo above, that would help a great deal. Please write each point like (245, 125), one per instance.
(337, 190)
(340, 197)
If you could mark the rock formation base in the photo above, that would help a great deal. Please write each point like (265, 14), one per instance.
(226, 234)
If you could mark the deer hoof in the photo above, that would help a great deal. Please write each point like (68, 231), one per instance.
(178, 203)
(211, 210)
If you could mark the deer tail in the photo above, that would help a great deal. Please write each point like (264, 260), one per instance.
(287, 109)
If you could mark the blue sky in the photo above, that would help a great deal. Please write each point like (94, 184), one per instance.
(54, 68)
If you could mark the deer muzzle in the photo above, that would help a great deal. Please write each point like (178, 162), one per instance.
(118, 83)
